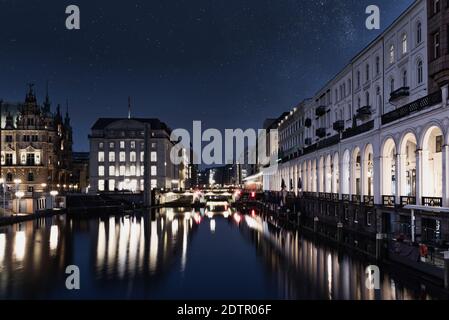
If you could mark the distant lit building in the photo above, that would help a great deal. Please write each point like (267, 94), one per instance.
(117, 155)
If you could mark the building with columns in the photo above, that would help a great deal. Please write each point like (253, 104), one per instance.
(376, 135)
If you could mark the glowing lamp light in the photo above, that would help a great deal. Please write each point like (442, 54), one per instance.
(54, 193)
(253, 194)
(20, 194)
(17, 181)
(253, 213)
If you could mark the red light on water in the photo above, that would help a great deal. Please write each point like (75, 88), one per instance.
(197, 218)
(253, 194)
(253, 213)
(237, 217)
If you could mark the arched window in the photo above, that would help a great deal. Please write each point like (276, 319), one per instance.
(420, 71)
(392, 85)
(367, 98)
(418, 32)
(392, 54)
(404, 43)
(404, 78)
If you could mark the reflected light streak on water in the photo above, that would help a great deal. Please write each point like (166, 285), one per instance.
(19, 245)
(165, 257)
(2, 248)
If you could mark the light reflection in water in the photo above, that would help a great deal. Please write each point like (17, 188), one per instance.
(54, 236)
(2, 248)
(19, 245)
(144, 255)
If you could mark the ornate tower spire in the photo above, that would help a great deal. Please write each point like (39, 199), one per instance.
(47, 103)
(67, 117)
(30, 97)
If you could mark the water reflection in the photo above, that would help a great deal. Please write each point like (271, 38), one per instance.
(179, 254)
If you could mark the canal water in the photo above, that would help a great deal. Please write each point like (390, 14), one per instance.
(183, 254)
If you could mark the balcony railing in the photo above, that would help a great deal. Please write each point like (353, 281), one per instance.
(413, 107)
(368, 200)
(335, 197)
(310, 149)
(351, 132)
(357, 199)
(320, 111)
(388, 201)
(399, 93)
(405, 200)
(308, 141)
(345, 197)
(432, 201)
(364, 112)
(321, 132)
(329, 142)
(339, 125)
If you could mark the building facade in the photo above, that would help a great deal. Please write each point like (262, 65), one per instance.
(376, 134)
(36, 146)
(117, 155)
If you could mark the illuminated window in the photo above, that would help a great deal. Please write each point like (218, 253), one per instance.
(153, 183)
(101, 156)
(111, 156)
(132, 156)
(111, 145)
(122, 156)
(100, 185)
(132, 170)
(142, 156)
(142, 170)
(101, 171)
(153, 156)
(111, 185)
(404, 43)
(133, 144)
(122, 144)
(392, 54)
(122, 170)
(153, 170)
(111, 170)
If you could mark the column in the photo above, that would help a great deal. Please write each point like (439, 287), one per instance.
(419, 176)
(378, 179)
(445, 190)
(364, 175)
(341, 175)
(351, 176)
(400, 177)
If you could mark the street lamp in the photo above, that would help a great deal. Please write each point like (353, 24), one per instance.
(53, 194)
(19, 195)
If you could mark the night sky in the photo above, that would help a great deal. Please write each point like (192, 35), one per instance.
(229, 63)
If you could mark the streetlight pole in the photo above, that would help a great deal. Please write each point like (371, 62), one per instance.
(17, 183)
